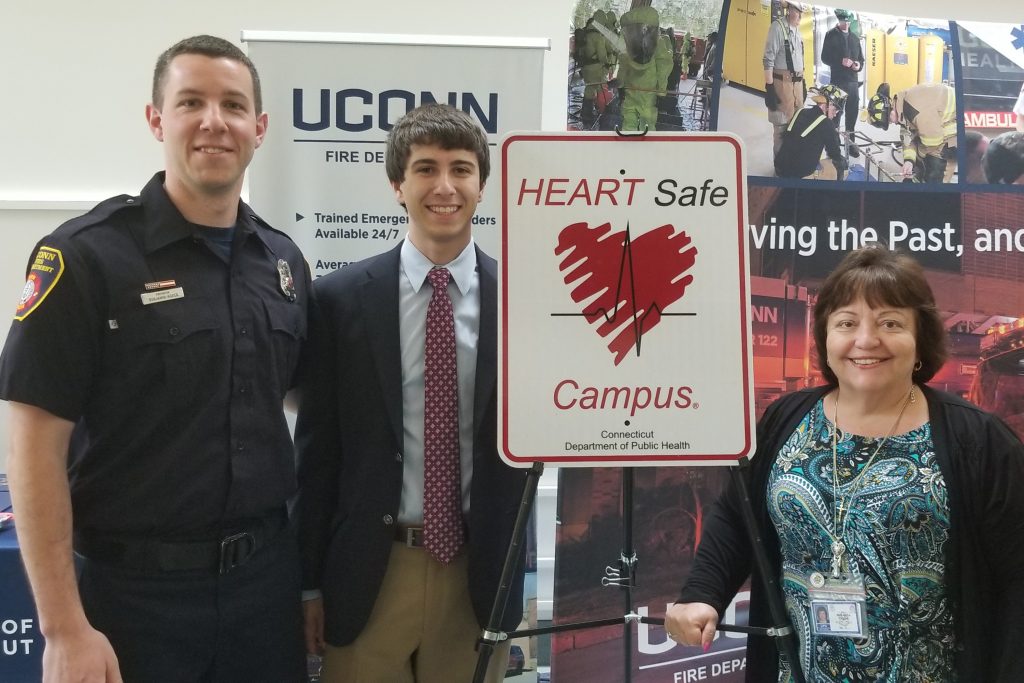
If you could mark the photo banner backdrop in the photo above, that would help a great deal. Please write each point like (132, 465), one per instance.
(333, 97)
(966, 230)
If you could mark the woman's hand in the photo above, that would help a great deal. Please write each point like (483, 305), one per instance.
(692, 623)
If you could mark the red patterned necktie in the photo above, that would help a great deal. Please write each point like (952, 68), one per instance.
(443, 535)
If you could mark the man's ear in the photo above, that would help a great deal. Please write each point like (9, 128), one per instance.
(399, 195)
(262, 121)
(155, 120)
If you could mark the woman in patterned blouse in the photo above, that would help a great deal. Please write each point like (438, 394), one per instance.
(892, 512)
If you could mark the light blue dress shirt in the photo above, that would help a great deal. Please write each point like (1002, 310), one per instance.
(414, 294)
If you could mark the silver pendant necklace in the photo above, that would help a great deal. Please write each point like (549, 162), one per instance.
(841, 510)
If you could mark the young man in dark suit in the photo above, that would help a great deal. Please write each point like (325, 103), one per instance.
(406, 509)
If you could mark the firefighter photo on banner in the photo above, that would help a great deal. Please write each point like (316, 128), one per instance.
(992, 67)
(641, 64)
(826, 93)
(919, 123)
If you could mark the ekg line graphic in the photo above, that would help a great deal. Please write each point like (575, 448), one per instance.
(612, 316)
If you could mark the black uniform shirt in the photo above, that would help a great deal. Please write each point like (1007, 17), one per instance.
(803, 141)
(172, 362)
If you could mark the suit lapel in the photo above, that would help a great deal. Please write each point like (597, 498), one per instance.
(379, 300)
(487, 342)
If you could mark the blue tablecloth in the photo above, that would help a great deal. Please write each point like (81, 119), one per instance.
(21, 644)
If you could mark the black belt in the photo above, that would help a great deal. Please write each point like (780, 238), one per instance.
(412, 536)
(788, 75)
(217, 556)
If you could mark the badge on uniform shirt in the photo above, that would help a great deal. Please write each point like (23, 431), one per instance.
(161, 295)
(158, 292)
(284, 272)
(43, 275)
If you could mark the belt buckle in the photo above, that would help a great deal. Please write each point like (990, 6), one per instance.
(414, 537)
(231, 554)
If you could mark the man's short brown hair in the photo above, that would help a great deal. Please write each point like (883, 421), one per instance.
(435, 124)
(208, 46)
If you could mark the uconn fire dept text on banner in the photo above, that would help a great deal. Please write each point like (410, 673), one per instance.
(333, 97)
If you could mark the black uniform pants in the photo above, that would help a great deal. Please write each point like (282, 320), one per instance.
(201, 627)
(852, 103)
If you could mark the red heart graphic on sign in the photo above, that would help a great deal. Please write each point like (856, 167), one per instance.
(625, 280)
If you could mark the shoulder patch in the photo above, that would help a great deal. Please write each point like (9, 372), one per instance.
(43, 275)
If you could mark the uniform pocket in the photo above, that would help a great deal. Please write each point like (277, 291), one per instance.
(164, 350)
(287, 322)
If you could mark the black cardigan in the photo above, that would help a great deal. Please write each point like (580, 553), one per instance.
(982, 462)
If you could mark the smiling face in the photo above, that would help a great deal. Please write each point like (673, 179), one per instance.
(209, 126)
(871, 350)
(440, 189)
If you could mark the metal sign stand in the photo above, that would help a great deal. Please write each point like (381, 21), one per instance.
(624, 577)
(492, 635)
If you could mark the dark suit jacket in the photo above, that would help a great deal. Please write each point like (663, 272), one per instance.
(350, 448)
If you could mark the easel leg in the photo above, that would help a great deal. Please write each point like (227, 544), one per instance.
(492, 635)
(786, 640)
(628, 570)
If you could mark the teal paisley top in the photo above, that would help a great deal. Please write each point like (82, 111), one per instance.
(896, 534)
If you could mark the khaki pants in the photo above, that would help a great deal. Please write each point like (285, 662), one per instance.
(422, 628)
(791, 99)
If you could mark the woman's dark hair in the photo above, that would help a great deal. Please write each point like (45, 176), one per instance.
(883, 278)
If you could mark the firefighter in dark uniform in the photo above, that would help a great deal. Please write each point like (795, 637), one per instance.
(669, 103)
(809, 133)
(146, 367)
(842, 51)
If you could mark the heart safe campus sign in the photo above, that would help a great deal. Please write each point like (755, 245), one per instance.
(624, 306)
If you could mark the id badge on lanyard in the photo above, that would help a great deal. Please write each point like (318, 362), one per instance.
(838, 605)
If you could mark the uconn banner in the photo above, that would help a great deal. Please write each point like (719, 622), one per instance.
(333, 97)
